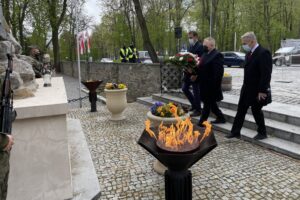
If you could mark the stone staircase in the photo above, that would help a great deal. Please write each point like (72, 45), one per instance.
(282, 122)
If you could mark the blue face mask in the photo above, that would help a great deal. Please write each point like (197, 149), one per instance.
(246, 47)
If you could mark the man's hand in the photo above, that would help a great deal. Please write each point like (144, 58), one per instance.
(191, 54)
(194, 77)
(262, 96)
(198, 61)
(10, 143)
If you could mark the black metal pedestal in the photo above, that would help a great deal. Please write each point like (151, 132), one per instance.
(178, 185)
(178, 179)
(93, 100)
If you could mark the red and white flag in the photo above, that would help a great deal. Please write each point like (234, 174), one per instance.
(83, 37)
(88, 42)
(81, 42)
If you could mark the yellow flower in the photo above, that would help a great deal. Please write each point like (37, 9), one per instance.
(121, 86)
(159, 109)
(162, 114)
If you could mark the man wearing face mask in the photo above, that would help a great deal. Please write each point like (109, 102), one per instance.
(210, 74)
(256, 90)
(189, 78)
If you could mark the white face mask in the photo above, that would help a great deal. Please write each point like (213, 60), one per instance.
(246, 47)
(191, 41)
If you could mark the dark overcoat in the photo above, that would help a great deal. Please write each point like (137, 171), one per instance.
(257, 76)
(210, 73)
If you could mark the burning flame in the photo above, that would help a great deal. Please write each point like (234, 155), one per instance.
(179, 134)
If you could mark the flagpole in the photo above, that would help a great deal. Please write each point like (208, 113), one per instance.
(78, 57)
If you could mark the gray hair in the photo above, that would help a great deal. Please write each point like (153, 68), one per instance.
(249, 36)
(211, 40)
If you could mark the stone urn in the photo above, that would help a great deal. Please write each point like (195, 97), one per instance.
(116, 102)
(155, 122)
(227, 82)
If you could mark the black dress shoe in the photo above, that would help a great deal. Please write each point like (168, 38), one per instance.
(232, 135)
(260, 136)
(195, 113)
(219, 121)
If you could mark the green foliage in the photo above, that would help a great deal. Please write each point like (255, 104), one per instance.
(271, 20)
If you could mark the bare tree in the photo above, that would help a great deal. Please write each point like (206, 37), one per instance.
(147, 42)
(56, 19)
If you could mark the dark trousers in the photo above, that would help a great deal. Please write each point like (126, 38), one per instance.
(194, 97)
(240, 118)
(213, 107)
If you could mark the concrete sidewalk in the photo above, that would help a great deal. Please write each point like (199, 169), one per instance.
(288, 93)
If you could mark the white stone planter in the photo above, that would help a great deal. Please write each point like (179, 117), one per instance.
(227, 83)
(155, 121)
(116, 102)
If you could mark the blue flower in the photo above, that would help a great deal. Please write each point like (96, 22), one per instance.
(153, 109)
(158, 103)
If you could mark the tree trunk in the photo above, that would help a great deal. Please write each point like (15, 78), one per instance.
(14, 20)
(6, 13)
(21, 18)
(147, 42)
(55, 43)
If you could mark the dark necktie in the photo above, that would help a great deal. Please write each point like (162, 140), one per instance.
(249, 55)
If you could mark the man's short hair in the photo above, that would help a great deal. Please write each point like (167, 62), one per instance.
(249, 36)
(211, 40)
(194, 33)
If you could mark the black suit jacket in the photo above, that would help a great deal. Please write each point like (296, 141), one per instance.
(197, 49)
(210, 72)
(257, 76)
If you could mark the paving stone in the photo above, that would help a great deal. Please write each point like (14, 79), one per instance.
(125, 170)
(234, 170)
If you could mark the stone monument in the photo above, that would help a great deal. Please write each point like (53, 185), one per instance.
(23, 77)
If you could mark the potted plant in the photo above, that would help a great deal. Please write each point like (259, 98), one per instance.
(227, 82)
(161, 113)
(116, 100)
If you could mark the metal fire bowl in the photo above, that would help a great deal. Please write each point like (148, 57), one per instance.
(183, 149)
(177, 161)
(92, 85)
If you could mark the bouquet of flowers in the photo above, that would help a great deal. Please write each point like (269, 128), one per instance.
(164, 110)
(111, 86)
(188, 61)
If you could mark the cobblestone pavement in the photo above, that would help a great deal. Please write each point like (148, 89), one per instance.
(234, 170)
(288, 93)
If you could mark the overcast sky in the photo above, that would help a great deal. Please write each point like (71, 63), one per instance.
(93, 9)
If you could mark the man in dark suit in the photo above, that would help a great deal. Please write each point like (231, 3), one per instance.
(189, 78)
(256, 90)
(210, 72)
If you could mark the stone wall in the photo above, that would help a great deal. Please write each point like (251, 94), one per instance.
(141, 79)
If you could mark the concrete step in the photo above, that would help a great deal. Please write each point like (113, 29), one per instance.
(283, 130)
(84, 178)
(278, 129)
(148, 101)
(274, 143)
(289, 114)
(289, 148)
